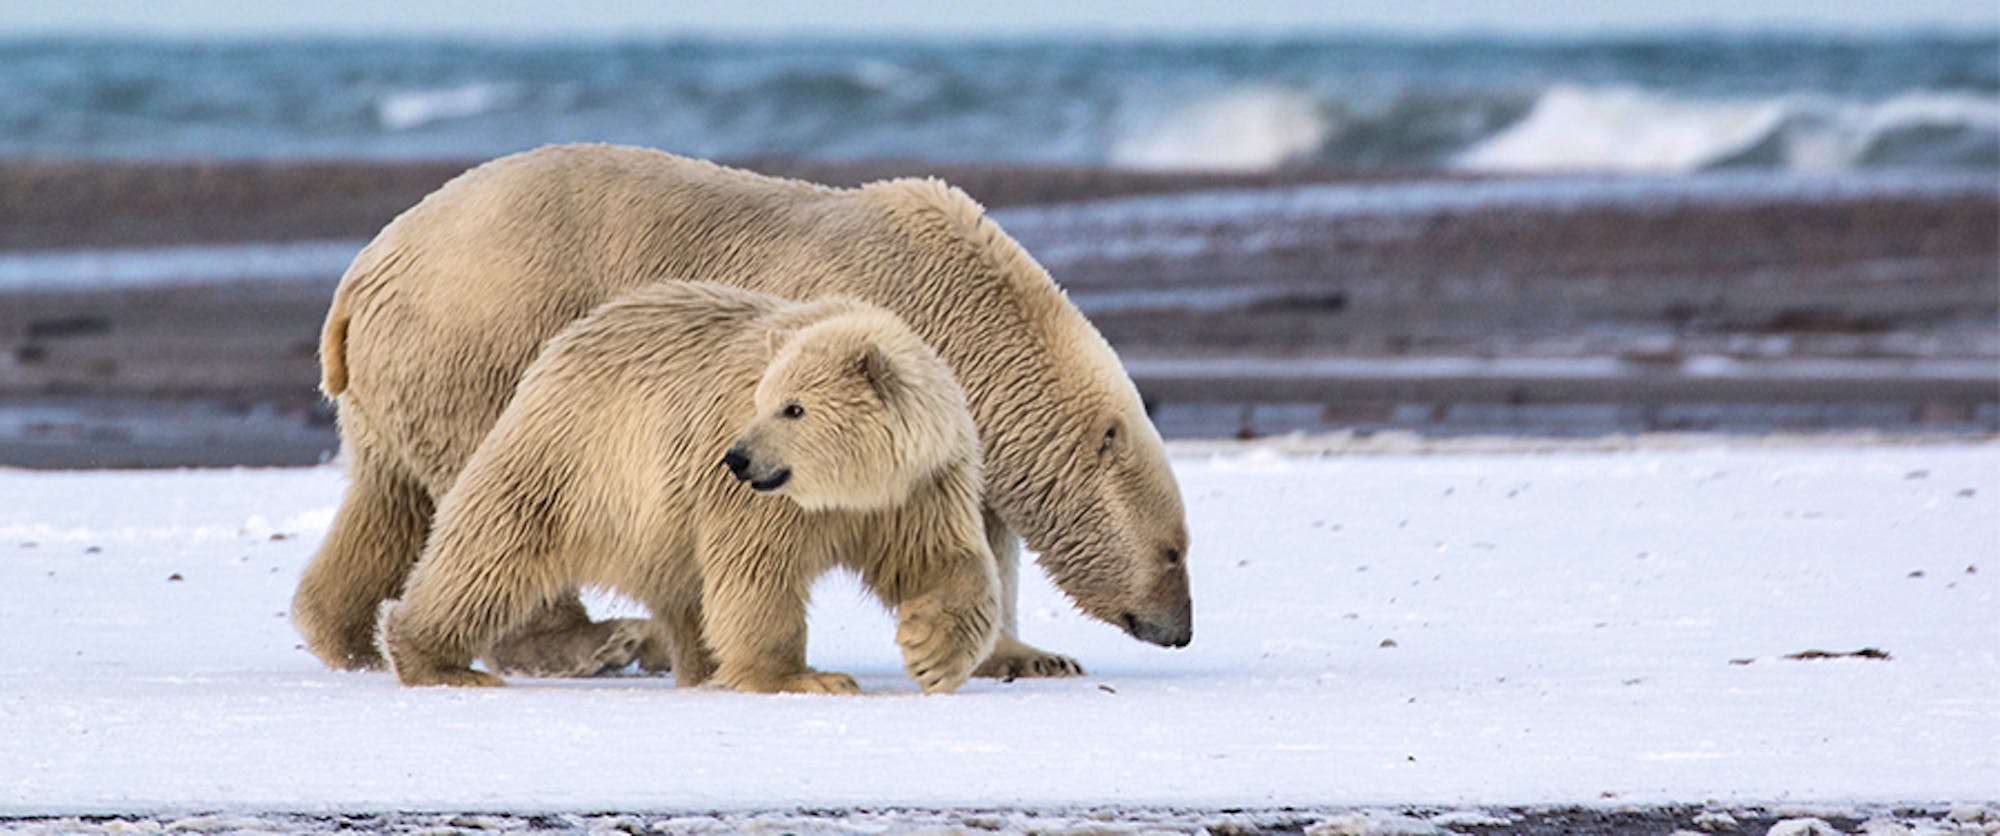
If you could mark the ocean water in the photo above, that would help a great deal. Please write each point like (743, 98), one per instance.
(1673, 104)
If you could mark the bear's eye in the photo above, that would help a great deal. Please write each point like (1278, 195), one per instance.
(793, 411)
(1110, 439)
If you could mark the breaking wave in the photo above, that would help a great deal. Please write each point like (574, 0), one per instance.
(1241, 130)
(403, 110)
(1673, 104)
(1632, 130)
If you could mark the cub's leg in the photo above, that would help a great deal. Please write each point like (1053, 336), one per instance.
(376, 537)
(491, 562)
(948, 627)
(1011, 658)
(753, 608)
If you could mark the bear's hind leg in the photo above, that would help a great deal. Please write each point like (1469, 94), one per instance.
(560, 640)
(376, 537)
(677, 633)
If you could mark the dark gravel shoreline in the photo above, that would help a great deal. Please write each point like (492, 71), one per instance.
(63, 204)
(1765, 311)
(1720, 820)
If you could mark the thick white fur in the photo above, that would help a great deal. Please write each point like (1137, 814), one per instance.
(606, 470)
(437, 318)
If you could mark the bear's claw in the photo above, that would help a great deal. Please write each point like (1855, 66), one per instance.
(1012, 659)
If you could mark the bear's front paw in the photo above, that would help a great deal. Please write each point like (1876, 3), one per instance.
(941, 645)
(348, 646)
(1012, 659)
(806, 682)
(349, 653)
(456, 678)
(821, 682)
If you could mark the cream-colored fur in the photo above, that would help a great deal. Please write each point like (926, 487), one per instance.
(608, 469)
(439, 315)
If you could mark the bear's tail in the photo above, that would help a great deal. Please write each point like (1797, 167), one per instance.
(370, 268)
(333, 346)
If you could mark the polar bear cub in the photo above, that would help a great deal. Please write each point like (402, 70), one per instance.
(709, 451)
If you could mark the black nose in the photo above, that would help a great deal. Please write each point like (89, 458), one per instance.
(738, 464)
(1165, 635)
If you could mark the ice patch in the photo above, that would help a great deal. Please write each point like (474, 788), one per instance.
(1247, 129)
(1802, 827)
(1258, 460)
(1470, 818)
(315, 521)
(1373, 823)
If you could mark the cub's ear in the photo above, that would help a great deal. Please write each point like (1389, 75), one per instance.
(874, 366)
(775, 339)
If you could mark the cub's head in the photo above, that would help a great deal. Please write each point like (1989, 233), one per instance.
(854, 412)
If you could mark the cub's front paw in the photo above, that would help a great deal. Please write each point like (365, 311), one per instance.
(941, 645)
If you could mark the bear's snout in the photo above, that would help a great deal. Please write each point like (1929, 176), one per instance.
(745, 470)
(738, 463)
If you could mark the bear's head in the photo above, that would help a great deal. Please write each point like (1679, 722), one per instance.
(854, 412)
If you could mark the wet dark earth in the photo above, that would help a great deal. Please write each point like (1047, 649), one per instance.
(1244, 306)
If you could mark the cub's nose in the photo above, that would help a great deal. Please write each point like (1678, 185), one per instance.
(738, 464)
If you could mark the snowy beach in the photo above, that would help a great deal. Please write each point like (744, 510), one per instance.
(1591, 434)
(1443, 630)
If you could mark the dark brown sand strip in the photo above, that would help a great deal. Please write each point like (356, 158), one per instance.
(48, 204)
(1844, 310)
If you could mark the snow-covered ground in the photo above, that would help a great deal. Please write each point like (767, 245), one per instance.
(1602, 628)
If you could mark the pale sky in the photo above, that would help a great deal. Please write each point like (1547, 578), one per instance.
(596, 18)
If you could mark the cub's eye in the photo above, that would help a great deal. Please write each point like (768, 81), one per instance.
(1110, 440)
(793, 411)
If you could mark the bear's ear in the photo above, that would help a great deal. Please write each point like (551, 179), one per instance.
(775, 339)
(875, 367)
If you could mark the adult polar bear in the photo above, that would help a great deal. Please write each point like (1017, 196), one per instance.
(438, 317)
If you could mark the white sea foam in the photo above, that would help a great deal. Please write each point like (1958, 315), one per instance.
(1574, 128)
(893, 79)
(1625, 129)
(406, 109)
(1245, 129)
